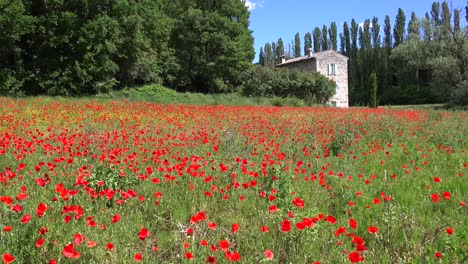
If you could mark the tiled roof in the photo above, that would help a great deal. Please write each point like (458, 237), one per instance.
(315, 55)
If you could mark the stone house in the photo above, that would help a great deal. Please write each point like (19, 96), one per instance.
(328, 63)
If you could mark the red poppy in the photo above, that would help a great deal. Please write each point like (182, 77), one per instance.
(40, 211)
(372, 229)
(115, 218)
(25, 219)
(188, 255)
(435, 198)
(110, 246)
(330, 219)
(7, 258)
(138, 257)
(298, 202)
(446, 195)
(449, 230)
(438, 255)
(286, 225)
(352, 223)
(7, 228)
(143, 234)
(232, 256)
(223, 245)
(211, 260)
(69, 251)
(268, 254)
(235, 228)
(39, 242)
(355, 257)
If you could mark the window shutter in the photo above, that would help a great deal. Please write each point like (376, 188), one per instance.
(329, 69)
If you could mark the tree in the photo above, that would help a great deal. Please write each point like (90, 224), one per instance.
(261, 59)
(366, 36)
(297, 45)
(414, 27)
(214, 44)
(375, 30)
(347, 38)
(466, 12)
(456, 20)
(387, 34)
(354, 35)
(317, 39)
(446, 20)
(332, 32)
(399, 29)
(435, 13)
(325, 41)
(307, 42)
(427, 28)
(342, 44)
(373, 103)
(268, 55)
(280, 49)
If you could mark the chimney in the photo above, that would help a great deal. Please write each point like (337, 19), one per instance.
(310, 52)
(283, 59)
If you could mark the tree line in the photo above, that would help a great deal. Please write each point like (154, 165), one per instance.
(422, 61)
(78, 47)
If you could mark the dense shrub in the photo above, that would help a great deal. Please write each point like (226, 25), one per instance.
(271, 82)
(460, 95)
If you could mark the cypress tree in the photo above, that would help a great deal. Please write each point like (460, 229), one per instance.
(456, 20)
(342, 43)
(297, 45)
(446, 20)
(307, 42)
(375, 33)
(435, 13)
(324, 41)
(261, 59)
(414, 27)
(399, 29)
(347, 38)
(427, 27)
(280, 49)
(388, 34)
(268, 55)
(333, 36)
(317, 39)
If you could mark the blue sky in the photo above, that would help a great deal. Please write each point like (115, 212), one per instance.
(271, 19)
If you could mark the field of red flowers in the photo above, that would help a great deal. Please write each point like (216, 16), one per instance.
(86, 181)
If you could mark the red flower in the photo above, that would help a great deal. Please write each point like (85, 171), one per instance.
(286, 225)
(40, 211)
(232, 256)
(330, 219)
(188, 255)
(25, 219)
(355, 257)
(78, 238)
(115, 218)
(446, 195)
(69, 251)
(449, 230)
(438, 255)
(353, 223)
(7, 258)
(372, 229)
(143, 234)
(435, 198)
(268, 254)
(264, 229)
(211, 260)
(235, 228)
(223, 245)
(273, 209)
(7, 228)
(298, 202)
(110, 246)
(138, 257)
(39, 242)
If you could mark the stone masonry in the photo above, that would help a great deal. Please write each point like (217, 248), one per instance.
(328, 63)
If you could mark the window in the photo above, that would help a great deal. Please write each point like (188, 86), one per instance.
(331, 69)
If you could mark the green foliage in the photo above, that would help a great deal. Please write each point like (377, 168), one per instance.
(460, 95)
(374, 101)
(333, 33)
(399, 29)
(317, 39)
(297, 45)
(274, 82)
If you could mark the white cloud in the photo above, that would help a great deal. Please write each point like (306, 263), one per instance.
(361, 25)
(253, 4)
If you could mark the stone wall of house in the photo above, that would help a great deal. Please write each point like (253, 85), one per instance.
(309, 65)
(340, 98)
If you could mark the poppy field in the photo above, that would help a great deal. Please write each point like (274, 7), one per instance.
(85, 181)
